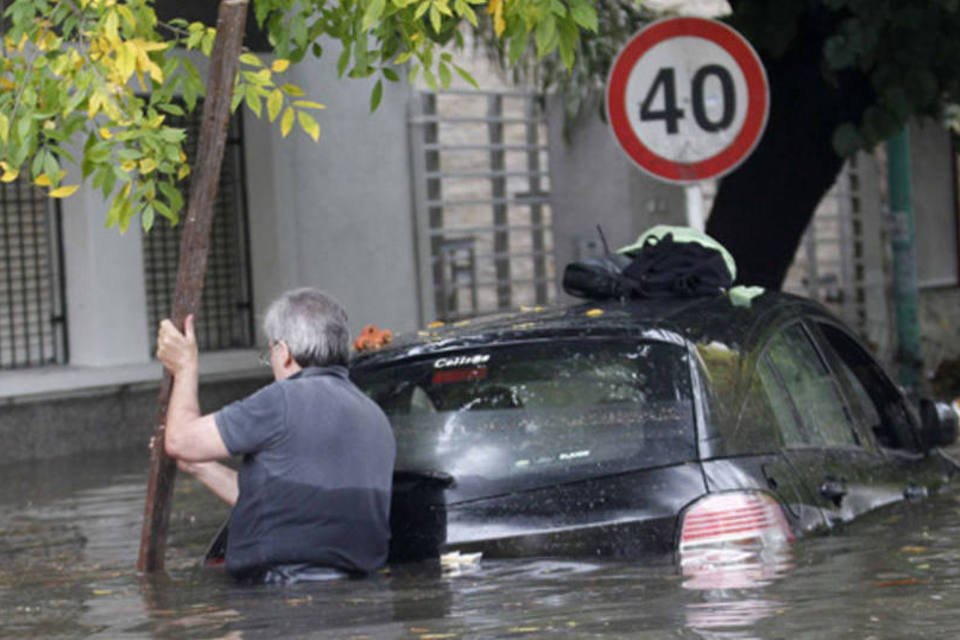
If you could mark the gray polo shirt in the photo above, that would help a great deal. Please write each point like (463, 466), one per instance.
(316, 475)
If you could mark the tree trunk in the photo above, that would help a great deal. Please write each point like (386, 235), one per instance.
(762, 209)
(192, 268)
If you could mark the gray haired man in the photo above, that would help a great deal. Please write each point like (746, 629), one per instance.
(313, 490)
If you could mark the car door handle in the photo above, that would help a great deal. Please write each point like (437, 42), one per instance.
(915, 492)
(834, 490)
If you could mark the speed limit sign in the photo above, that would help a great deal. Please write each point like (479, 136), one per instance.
(687, 99)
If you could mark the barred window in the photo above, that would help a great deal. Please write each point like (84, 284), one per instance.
(32, 318)
(482, 190)
(225, 319)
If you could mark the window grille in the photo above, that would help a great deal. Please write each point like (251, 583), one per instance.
(32, 317)
(829, 265)
(484, 222)
(225, 320)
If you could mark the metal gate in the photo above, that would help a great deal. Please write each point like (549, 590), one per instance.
(483, 218)
(32, 299)
(225, 320)
(842, 259)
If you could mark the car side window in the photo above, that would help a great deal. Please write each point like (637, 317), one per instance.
(875, 396)
(742, 417)
(781, 406)
(811, 388)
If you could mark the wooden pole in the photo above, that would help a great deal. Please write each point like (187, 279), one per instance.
(194, 246)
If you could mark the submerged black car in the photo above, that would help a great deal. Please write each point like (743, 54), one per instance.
(653, 426)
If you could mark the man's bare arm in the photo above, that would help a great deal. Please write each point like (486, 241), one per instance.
(189, 436)
(219, 478)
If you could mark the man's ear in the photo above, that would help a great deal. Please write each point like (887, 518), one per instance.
(287, 354)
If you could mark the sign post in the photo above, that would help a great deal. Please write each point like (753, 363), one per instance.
(687, 99)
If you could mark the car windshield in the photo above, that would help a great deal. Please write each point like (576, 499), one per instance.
(528, 414)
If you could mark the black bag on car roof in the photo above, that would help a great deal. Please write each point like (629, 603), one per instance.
(596, 278)
(663, 268)
(656, 266)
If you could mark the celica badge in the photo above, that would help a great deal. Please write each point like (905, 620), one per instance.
(462, 361)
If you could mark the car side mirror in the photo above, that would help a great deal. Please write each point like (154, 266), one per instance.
(939, 423)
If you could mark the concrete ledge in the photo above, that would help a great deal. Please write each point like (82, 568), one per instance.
(31, 385)
(46, 413)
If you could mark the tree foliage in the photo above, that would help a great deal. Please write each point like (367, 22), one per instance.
(581, 83)
(906, 50)
(90, 83)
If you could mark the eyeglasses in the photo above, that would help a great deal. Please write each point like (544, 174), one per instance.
(265, 355)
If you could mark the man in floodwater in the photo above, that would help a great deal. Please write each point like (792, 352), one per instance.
(312, 497)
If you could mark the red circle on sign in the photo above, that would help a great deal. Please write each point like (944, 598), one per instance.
(757, 99)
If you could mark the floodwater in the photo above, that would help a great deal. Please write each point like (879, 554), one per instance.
(69, 533)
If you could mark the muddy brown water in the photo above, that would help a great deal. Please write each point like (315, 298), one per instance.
(69, 531)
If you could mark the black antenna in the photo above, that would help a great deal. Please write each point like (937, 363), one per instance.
(603, 239)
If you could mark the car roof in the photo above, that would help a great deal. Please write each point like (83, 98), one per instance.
(704, 319)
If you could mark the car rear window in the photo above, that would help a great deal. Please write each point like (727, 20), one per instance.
(533, 413)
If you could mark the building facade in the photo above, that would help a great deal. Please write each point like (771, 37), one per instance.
(437, 206)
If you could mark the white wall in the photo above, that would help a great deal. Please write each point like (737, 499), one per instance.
(934, 206)
(336, 215)
(105, 297)
(593, 182)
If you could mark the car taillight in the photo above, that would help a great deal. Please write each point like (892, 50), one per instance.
(737, 517)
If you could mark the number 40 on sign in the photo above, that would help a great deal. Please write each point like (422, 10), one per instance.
(687, 99)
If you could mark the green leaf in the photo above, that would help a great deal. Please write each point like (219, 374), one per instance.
(251, 59)
(463, 73)
(445, 75)
(546, 35)
(274, 104)
(109, 182)
(236, 100)
(309, 104)
(171, 108)
(569, 36)
(51, 167)
(146, 217)
(252, 98)
(309, 124)
(173, 196)
(516, 47)
(430, 79)
(376, 95)
(206, 44)
(24, 124)
(165, 211)
(286, 122)
(293, 90)
(372, 14)
(113, 212)
(259, 78)
(584, 14)
(343, 61)
(390, 74)
(126, 213)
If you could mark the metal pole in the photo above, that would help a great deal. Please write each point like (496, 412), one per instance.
(498, 191)
(909, 360)
(694, 199)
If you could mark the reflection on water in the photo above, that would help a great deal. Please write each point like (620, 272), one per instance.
(69, 532)
(729, 577)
